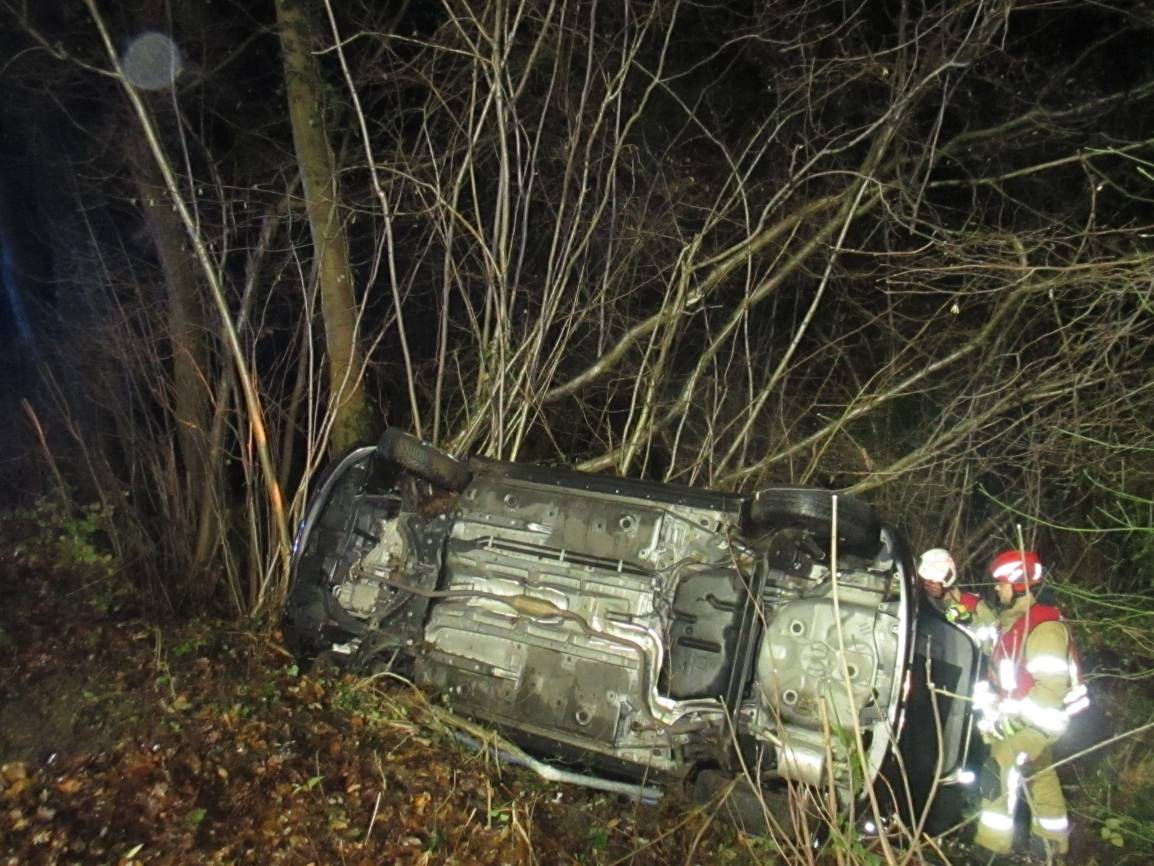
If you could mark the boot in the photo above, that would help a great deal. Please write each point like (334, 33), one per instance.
(1045, 852)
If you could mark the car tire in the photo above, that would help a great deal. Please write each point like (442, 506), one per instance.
(859, 528)
(424, 460)
(316, 549)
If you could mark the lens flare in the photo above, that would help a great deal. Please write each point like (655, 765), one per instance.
(151, 62)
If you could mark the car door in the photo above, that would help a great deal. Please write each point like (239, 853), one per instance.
(939, 750)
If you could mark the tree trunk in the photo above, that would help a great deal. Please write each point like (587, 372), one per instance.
(305, 94)
(191, 377)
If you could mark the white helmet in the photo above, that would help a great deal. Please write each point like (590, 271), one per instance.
(937, 566)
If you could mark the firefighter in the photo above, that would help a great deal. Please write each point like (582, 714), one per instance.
(1034, 688)
(939, 577)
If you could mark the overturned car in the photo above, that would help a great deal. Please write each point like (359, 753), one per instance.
(643, 633)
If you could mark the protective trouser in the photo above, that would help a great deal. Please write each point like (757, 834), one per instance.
(1024, 754)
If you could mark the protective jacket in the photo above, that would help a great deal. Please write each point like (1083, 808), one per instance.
(1035, 671)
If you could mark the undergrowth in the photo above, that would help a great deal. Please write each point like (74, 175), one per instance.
(351, 768)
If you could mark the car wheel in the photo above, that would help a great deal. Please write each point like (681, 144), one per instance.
(317, 553)
(859, 529)
(424, 460)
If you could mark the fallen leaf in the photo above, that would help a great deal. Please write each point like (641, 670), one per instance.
(69, 786)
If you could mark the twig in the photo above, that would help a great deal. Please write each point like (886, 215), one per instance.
(373, 819)
(49, 458)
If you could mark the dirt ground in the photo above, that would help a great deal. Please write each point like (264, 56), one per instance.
(125, 741)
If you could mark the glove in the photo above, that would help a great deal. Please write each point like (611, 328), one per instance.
(988, 731)
(957, 613)
(1001, 729)
(1007, 726)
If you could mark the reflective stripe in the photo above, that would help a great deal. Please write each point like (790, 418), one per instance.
(1078, 692)
(1014, 571)
(1049, 719)
(1054, 825)
(984, 697)
(1007, 674)
(1048, 665)
(1077, 707)
(1010, 569)
(998, 821)
(1077, 699)
(1013, 784)
(983, 634)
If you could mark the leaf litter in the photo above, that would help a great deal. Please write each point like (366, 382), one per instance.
(125, 741)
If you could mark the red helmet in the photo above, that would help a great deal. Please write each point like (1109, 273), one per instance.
(1019, 568)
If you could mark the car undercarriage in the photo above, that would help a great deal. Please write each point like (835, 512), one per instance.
(639, 630)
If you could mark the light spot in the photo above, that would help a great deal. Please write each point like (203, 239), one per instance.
(151, 62)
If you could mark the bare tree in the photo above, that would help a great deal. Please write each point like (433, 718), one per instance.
(870, 249)
(307, 108)
(826, 288)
